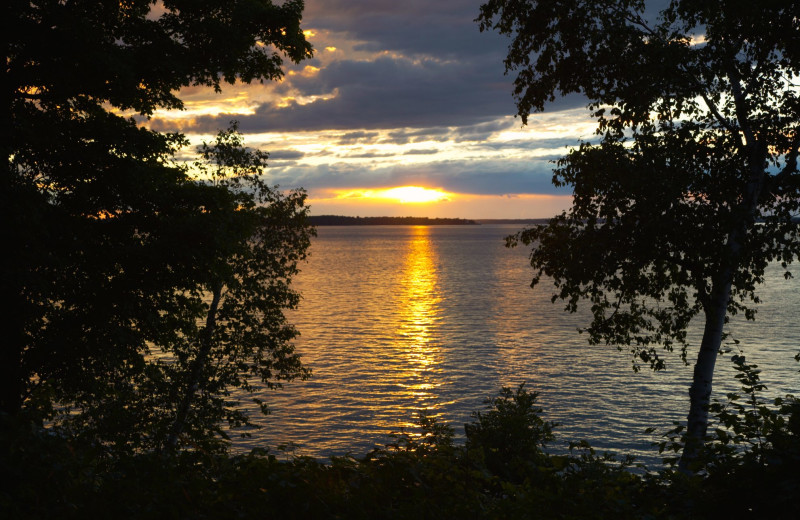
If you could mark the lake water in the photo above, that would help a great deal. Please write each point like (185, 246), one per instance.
(400, 319)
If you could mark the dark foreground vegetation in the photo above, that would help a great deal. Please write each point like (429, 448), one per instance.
(750, 469)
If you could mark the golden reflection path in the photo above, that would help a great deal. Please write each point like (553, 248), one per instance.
(417, 312)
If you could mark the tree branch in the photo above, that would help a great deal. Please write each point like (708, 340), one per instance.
(714, 110)
(739, 99)
(193, 385)
(791, 163)
(636, 19)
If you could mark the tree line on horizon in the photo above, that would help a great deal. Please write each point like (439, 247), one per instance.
(340, 220)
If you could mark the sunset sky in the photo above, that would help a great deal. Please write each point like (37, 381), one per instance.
(397, 94)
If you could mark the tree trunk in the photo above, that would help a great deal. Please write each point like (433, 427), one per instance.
(717, 306)
(22, 237)
(12, 320)
(715, 310)
(11, 378)
(700, 390)
(193, 385)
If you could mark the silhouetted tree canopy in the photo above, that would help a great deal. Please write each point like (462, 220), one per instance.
(109, 245)
(698, 113)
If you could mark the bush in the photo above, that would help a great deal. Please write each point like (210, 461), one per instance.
(502, 471)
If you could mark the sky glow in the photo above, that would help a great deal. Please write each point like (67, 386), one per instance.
(403, 195)
(397, 95)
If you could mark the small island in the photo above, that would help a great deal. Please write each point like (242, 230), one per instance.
(339, 220)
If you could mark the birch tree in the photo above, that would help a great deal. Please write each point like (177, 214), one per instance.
(245, 339)
(688, 190)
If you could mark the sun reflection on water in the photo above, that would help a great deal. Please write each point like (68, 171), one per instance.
(418, 311)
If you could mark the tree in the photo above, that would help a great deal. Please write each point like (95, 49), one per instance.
(109, 244)
(245, 334)
(689, 189)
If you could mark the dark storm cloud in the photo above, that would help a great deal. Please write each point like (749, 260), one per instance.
(369, 155)
(357, 138)
(437, 134)
(482, 131)
(444, 28)
(286, 155)
(388, 92)
(438, 70)
(420, 151)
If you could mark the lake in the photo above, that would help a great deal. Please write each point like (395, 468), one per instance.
(397, 319)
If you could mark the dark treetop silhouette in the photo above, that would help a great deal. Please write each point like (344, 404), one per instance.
(109, 245)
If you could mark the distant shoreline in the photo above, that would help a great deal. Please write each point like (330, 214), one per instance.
(519, 221)
(340, 220)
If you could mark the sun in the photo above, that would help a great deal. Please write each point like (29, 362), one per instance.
(402, 194)
(414, 194)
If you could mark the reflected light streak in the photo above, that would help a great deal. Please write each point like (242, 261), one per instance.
(418, 312)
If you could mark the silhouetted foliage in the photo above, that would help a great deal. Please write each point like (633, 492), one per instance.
(109, 245)
(510, 435)
(750, 461)
(688, 190)
(419, 476)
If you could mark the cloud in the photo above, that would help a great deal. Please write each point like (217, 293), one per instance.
(440, 134)
(367, 155)
(286, 154)
(389, 92)
(469, 176)
(421, 65)
(356, 137)
(397, 94)
(445, 28)
(420, 151)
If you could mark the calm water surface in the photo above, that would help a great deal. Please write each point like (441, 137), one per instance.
(400, 319)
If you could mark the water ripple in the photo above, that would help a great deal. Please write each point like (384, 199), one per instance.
(400, 319)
